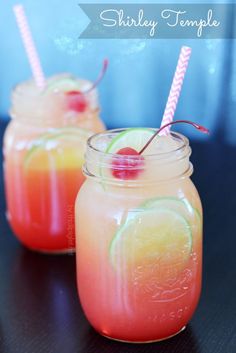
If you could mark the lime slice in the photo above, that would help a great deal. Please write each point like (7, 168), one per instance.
(135, 138)
(182, 206)
(60, 149)
(64, 84)
(152, 238)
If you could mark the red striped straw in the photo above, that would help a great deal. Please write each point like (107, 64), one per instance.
(175, 88)
(29, 45)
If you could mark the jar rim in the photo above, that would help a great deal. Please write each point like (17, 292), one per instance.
(109, 167)
(184, 143)
(28, 100)
(17, 88)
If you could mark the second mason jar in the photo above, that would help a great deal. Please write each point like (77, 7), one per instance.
(138, 236)
(44, 146)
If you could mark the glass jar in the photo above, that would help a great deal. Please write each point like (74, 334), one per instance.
(44, 148)
(139, 243)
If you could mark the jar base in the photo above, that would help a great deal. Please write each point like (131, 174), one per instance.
(145, 342)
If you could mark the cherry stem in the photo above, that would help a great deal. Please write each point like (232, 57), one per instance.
(100, 76)
(198, 127)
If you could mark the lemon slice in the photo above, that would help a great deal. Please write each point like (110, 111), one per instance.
(60, 149)
(152, 237)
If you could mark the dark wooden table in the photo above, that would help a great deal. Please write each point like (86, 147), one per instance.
(40, 310)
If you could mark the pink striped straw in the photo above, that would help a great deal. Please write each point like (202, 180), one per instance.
(175, 88)
(29, 45)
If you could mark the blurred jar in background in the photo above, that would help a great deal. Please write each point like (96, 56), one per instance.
(44, 148)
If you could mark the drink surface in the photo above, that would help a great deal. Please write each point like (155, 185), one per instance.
(54, 104)
(142, 251)
(44, 149)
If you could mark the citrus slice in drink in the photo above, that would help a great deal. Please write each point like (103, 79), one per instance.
(63, 84)
(73, 89)
(181, 206)
(129, 164)
(61, 149)
(154, 239)
(135, 138)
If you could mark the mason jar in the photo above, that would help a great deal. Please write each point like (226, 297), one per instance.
(44, 146)
(139, 240)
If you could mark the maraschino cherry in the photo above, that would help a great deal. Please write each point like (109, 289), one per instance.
(76, 100)
(130, 165)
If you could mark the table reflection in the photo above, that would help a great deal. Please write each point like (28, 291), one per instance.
(185, 342)
(43, 301)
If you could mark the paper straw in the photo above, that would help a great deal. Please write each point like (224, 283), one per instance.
(29, 45)
(176, 88)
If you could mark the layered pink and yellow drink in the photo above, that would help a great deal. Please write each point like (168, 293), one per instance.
(139, 260)
(44, 149)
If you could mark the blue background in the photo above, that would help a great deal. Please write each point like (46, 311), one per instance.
(136, 87)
